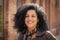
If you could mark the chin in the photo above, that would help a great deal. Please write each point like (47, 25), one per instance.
(29, 26)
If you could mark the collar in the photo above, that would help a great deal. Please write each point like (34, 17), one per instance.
(32, 32)
(40, 33)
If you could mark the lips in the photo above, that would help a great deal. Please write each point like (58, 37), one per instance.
(29, 22)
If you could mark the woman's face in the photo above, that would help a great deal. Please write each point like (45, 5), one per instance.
(31, 19)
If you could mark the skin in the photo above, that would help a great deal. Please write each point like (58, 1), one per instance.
(31, 20)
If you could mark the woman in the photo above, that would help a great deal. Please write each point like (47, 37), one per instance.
(31, 24)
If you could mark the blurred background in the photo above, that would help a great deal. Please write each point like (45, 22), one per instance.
(8, 9)
(1, 27)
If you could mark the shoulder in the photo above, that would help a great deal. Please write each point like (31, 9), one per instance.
(20, 36)
(50, 36)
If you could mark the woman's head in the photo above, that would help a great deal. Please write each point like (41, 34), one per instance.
(30, 15)
(31, 19)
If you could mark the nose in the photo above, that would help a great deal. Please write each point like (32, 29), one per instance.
(30, 18)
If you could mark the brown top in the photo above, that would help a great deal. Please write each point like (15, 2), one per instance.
(39, 36)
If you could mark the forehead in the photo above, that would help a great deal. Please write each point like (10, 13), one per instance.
(31, 12)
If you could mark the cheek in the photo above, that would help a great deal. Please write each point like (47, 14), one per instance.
(36, 21)
(26, 20)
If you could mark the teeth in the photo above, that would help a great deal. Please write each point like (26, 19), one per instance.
(29, 22)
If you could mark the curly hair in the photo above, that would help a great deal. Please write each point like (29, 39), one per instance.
(20, 17)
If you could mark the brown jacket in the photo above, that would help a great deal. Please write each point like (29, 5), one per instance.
(40, 36)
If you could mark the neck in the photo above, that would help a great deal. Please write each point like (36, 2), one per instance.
(31, 29)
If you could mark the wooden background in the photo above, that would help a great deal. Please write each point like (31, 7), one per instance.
(52, 8)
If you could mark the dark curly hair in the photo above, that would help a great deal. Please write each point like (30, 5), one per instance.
(20, 17)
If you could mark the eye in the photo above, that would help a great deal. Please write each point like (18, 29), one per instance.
(33, 16)
(26, 16)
